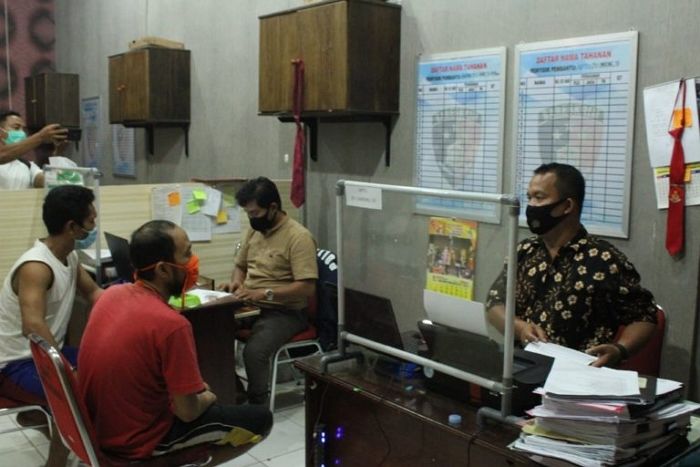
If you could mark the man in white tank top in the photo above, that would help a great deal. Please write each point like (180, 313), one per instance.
(38, 293)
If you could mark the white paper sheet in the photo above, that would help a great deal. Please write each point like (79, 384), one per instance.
(455, 312)
(213, 203)
(162, 207)
(557, 351)
(659, 103)
(570, 378)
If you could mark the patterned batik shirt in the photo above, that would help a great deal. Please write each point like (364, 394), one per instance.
(580, 297)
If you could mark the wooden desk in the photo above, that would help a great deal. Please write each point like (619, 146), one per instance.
(214, 326)
(374, 420)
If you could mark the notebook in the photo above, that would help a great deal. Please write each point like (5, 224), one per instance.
(372, 317)
(119, 248)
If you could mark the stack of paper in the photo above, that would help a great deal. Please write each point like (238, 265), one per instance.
(600, 416)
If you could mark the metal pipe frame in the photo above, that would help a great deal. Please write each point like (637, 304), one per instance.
(505, 387)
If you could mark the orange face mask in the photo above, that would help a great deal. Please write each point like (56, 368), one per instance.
(191, 268)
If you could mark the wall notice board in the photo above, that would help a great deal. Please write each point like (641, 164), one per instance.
(576, 105)
(459, 129)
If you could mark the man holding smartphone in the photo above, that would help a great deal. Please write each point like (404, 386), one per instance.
(15, 171)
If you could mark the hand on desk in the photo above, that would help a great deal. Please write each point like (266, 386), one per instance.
(229, 286)
(252, 295)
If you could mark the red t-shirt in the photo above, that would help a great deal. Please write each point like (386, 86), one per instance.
(135, 354)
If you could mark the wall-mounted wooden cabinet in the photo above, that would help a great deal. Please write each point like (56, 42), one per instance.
(150, 86)
(351, 52)
(52, 98)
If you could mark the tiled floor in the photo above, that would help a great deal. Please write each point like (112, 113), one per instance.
(284, 447)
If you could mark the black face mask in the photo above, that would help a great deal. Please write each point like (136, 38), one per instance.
(262, 223)
(540, 219)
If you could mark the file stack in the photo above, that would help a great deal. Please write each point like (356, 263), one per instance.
(600, 416)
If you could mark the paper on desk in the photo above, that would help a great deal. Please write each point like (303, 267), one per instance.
(557, 351)
(568, 378)
(205, 295)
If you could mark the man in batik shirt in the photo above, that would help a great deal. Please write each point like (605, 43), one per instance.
(572, 288)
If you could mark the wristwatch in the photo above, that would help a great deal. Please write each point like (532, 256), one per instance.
(269, 295)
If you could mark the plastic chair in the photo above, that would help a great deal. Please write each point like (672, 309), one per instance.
(70, 414)
(647, 361)
(13, 402)
(305, 339)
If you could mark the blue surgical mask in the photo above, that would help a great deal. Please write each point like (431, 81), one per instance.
(83, 243)
(15, 136)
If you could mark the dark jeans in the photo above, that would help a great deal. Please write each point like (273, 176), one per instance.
(272, 329)
(214, 424)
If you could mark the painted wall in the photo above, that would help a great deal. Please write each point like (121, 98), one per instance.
(27, 39)
(228, 139)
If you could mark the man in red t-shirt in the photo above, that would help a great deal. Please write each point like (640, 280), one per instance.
(138, 364)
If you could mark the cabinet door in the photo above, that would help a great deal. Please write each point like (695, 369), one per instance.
(135, 96)
(117, 86)
(324, 48)
(31, 102)
(279, 45)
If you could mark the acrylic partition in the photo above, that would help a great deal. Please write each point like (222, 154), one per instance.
(384, 250)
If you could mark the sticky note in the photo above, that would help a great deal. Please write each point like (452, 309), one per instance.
(199, 195)
(222, 217)
(193, 206)
(677, 118)
(174, 198)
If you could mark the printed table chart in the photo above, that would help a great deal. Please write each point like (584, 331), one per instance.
(576, 106)
(459, 129)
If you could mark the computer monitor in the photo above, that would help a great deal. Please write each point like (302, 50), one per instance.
(372, 317)
(119, 248)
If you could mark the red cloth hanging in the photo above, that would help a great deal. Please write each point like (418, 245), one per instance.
(675, 223)
(298, 191)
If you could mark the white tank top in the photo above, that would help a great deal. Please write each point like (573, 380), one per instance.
(59, 303)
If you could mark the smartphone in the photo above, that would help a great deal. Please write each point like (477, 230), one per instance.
(74, 134)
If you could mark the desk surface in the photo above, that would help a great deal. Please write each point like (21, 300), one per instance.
(390, 418)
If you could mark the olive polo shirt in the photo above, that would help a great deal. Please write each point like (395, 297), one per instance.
(284, 254)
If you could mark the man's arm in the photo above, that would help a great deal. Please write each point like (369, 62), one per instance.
(632, 339)
(190, 406)
(237, 279)
(524, 332)
(48, 134)
(87, 287)
(39, 180)
(32, 280)
(303, 288)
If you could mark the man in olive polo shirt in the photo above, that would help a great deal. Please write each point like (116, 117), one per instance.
(275, 269)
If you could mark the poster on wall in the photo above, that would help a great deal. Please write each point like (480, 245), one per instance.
(459, 129)
(90, 123)
(576, 106)
(451, 257)
(123, 151)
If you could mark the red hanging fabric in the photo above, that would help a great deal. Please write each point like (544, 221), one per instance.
(675, 223)
(298, 195)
